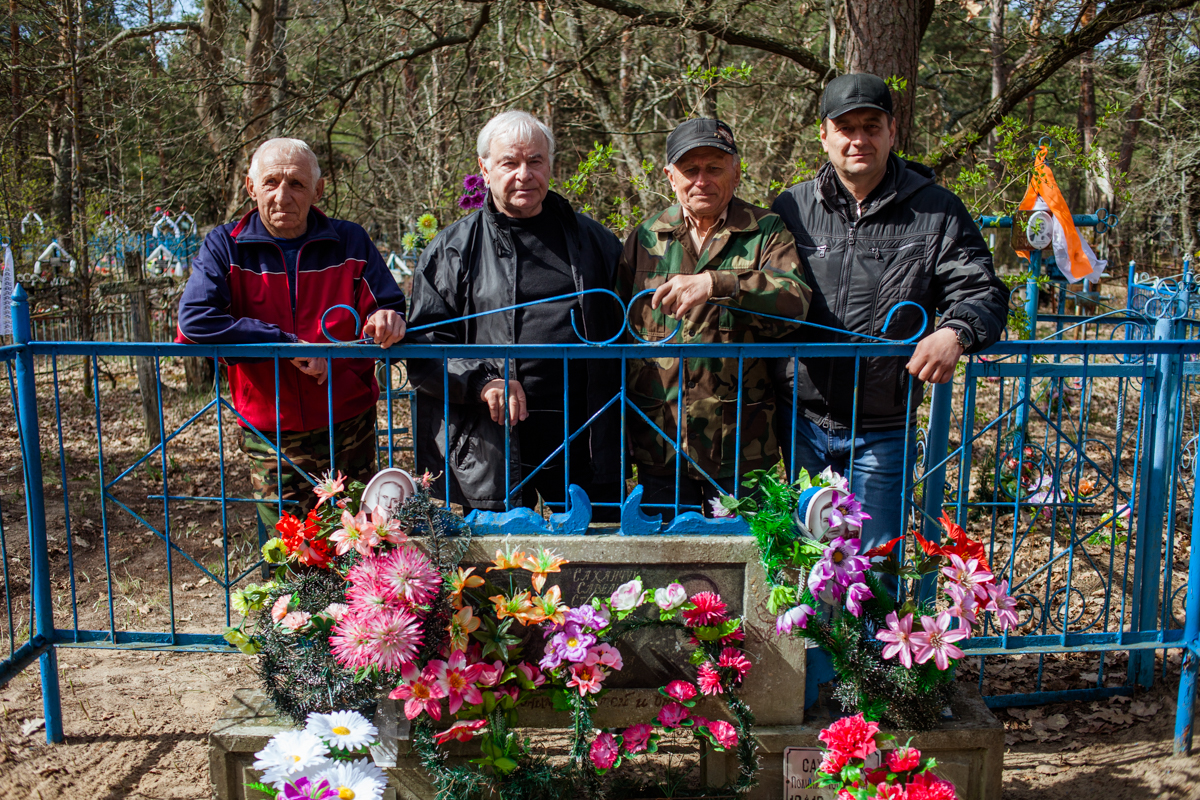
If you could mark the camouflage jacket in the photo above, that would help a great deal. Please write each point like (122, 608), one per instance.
(755, 269)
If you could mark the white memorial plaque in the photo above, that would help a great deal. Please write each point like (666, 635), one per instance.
(799, 768)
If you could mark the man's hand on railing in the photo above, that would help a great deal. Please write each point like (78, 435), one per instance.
(936, 356)
(493, 395)
(315, 367)
(386, 327)
(682, 293)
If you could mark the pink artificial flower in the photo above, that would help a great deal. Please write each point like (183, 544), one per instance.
(670, 597)
(490, 675)
(352, 640)
(395, 635)
(628, 596)
(833, 762)
(965, 605)
(889, 791)
(329, 486)
(410, 574)
(898, 635)
(719, 511)
(531, 673)
(795, 617)
(636, 738)
(902, 759)
(844, 509)
(680, 690)
(336, 611)
(708, 679)
(512, 692)
(852, 737)
(936, 640)
(390, 530)
(724, 733)
(461, 731)
(457, 680)
(296, 621)
(587, 678)
(1003, 606)
(709, 610)
(420, 692)
(279, 609)
(356, 533)
(606, 655)
(735, 659)
(969, 575)
(369, 594)
(605, 751)
(672, 715)
(856, 595)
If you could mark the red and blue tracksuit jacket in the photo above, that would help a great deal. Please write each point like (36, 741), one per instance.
(238, 294)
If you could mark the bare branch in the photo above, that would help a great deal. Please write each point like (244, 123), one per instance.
(125, 35)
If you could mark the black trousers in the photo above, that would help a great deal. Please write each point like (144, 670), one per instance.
(692, 492)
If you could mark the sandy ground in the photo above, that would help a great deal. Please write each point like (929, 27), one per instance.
(137, 727)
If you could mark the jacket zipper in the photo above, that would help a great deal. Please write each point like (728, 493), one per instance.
(295, 384)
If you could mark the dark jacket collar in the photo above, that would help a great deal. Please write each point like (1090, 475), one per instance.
(251, 229)
(501, 228)
(903, 179)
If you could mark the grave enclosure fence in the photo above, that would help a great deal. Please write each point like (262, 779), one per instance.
(1074, 460)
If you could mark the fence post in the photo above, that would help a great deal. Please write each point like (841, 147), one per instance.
(1185, 705)
(31, 456)
(1159, 454)
(934, 495)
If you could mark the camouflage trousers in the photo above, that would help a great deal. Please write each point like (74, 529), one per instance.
(353, 443)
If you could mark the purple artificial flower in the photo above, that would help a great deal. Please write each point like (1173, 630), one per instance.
(846, 510)
(572, 644)
(840, 566)
(793, 617)
(305, 789)
(898, 636)
(587, 617)
(474, 183)
(855, 595)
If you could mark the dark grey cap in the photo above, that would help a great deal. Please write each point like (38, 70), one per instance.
(699, 133)
(856, 90)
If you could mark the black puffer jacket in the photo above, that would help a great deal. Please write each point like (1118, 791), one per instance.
(471, 267)
(916, 242)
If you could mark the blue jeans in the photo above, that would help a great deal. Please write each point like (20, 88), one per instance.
(877, 478)
(878, 482)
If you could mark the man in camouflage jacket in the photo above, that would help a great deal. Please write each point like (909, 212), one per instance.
(713, 262)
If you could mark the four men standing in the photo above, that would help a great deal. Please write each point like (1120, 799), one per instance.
(869, 240)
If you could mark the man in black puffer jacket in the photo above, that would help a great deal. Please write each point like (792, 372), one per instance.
(873, 231)
(526, 245)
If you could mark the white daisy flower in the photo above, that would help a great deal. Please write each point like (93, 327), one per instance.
(290, 755)
(355, 780)
(343, 730)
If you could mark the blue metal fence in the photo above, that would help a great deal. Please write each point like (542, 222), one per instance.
(1072, 458)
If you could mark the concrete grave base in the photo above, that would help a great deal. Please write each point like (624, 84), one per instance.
(969, 750)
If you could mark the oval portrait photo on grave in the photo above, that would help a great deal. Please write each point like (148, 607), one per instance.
(388, 490)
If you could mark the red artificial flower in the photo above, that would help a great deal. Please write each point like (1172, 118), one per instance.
(886, 791)
(709, 679)
(709, 610)
(833, 762)
(884, 550)
(903, 759)
(851, 736)
(734, 659)
(963, 546)
(461, 731)
(928, 786)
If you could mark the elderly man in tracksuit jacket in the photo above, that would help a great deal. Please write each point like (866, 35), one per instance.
(873, 231)
(268, 279)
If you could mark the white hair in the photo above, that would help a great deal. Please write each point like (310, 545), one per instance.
(288, 148)
(520, 125)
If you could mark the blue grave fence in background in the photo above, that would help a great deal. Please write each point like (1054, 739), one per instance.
(1073, 458)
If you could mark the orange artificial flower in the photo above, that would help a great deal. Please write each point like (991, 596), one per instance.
(518, 606)
(461, 626)
(542, 564)
(507, 559)
(550, 606)
(461, 580)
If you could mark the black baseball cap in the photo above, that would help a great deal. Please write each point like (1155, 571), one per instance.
(856, 90)
(699, 133)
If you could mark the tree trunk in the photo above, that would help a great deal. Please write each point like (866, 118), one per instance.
(883, 38)
(279, 67)
(999, 67)
(256, 97)
(1150, 56)
(1087, 105)
(210, 97)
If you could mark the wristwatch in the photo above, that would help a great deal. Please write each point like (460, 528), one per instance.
(964, 338)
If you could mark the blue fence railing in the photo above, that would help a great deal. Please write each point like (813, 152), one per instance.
(1072, 458)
